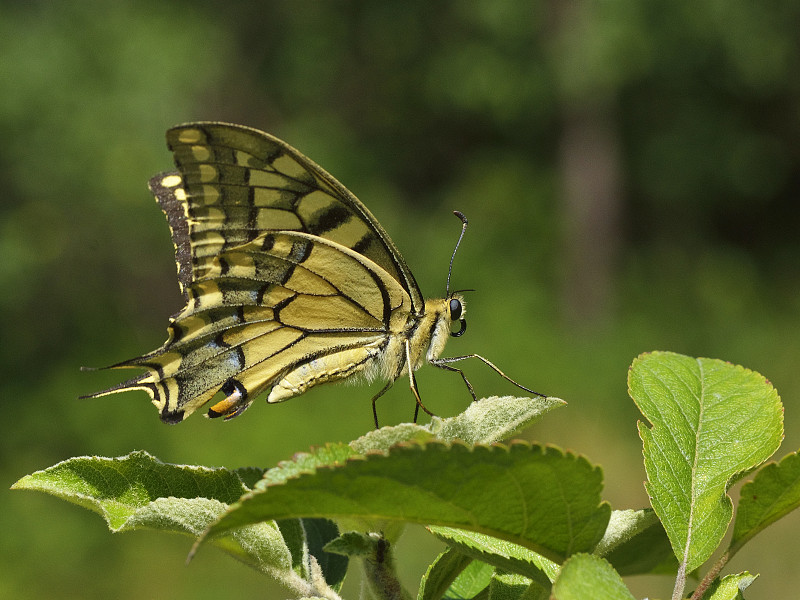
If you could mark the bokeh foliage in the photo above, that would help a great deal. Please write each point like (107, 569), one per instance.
(682, 117)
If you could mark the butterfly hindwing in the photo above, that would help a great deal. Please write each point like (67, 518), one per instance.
(263, 311)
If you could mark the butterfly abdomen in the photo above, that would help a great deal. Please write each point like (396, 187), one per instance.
(339, 366)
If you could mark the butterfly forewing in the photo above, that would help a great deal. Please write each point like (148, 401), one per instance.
(240, 182)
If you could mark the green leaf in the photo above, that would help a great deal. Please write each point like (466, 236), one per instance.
(250, 475)
(472, 582)
(499, 553)
(510, 586)
(330, 455)
(773, 493)
(711, 421)
(295, 539)
(138, 491)
(353, 543)
(443, 572)
(305, 539)
(318, 532)
(588, 577)
(730, 587)
(535, 496)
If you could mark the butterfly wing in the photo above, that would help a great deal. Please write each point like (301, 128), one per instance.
(240, 182)
(283, 312)
(289, 280)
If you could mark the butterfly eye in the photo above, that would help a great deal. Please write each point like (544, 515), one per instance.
(455, 309)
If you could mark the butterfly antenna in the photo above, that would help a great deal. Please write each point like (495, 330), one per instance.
(464, 223)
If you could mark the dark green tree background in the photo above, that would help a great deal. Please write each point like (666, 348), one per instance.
(630, 171)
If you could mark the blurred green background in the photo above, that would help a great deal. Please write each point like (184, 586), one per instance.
(630, 171)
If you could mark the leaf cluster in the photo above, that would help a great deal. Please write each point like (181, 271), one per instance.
(520, 520)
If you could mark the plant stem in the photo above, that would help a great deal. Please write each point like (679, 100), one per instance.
(380, 573)
(710, 577)
(680, 582)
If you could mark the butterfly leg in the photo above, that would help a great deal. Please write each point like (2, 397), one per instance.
(413, 385)
(375, 397)
(446, 367)
(441, 362)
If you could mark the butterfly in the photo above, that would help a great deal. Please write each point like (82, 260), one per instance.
(289, 282)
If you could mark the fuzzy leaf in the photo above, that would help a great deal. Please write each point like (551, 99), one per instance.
(624, 525)
(138, 491)
(493, 419)
(485, 421)
(648, 551)
(116, 488)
